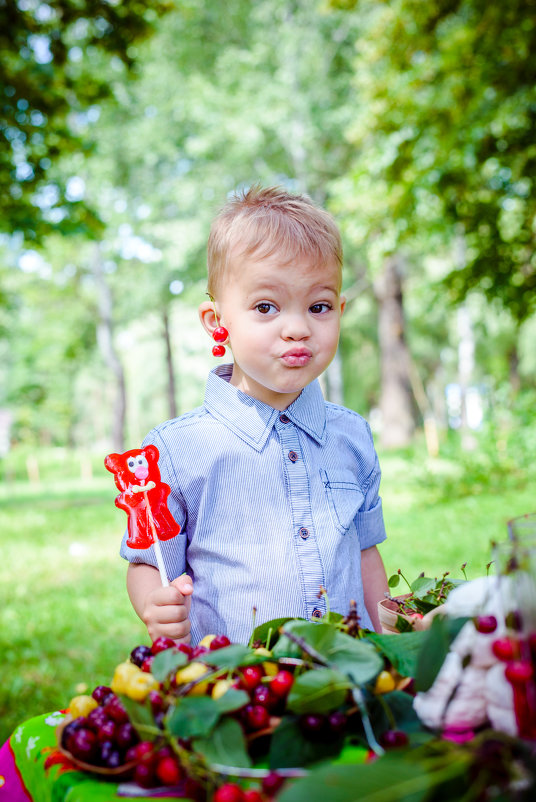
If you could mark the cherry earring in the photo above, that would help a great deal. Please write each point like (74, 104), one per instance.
(220, 335)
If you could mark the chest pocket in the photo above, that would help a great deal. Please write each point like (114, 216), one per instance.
(344, 498)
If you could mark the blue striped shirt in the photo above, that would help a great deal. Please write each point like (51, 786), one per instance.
(271, 505)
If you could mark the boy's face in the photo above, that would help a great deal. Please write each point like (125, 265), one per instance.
(283, 322)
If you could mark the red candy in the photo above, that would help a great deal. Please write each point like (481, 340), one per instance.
(143, 496)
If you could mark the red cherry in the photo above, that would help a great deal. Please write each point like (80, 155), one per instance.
(144, 775)
(485, 624)
(197, 651)
(251, 676)
(393, 739)
(143, 750)
(518, 672)
(162, 644)
(220, 334)
(256, 717)
(219, 642)
(114, 709)
(262, 695)
(504, 649)
(230, 792)
(272, 783)
(168, 771)
(282, 683)
(252, 795)
(218, 350)
(147, 664)
(186, 649)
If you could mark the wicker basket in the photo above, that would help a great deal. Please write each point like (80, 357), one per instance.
(389, 614)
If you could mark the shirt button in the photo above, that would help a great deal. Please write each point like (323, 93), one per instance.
(292, 456)
(303, 533)
(317, 613)
(284, 419)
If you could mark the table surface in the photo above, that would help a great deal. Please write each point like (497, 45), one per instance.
(32, 769)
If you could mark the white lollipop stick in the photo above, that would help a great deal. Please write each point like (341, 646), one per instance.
(157, 549)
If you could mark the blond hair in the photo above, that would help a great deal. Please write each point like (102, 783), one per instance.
(261, 222)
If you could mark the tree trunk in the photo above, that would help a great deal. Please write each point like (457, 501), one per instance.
(396, 398)
(109, 354)
(172, 394)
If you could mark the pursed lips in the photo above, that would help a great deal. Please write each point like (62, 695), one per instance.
(296, 357)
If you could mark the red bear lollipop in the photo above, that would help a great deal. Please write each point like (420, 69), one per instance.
(144, 498)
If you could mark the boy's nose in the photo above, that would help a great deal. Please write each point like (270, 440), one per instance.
(295, 328)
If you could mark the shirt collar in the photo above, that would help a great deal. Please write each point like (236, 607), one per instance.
(252, 420)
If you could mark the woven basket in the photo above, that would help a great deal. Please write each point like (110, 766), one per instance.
(389, 614)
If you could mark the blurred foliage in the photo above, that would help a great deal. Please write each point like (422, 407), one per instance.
(55, 66)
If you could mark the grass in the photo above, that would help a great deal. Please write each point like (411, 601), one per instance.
(65, 618)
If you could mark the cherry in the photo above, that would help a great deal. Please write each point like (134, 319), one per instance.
(96, 718)
(219, 642)
(147, 664)
(126, 735)
(197, 651)
(82, 744)
(251, 676)
(272, 783)
(262, 695)
(485, 624)
(114, 709)
(107, 731)
(394, 739)
(102, 693)
(144, 775)
(139, 654)
(518, 672)
(220, 334)
(218, 350)
(282, 683)
(162, 644)
(143, 750)
(186, 649)
(256, 717)
(312, 724)
(156, 701)
(337, 722)
(109, 755)
(252, 795)
(168, 770)
(504, 649)
(230, 792)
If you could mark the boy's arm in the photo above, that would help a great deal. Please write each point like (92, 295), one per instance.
(374, 581)
(164, 611)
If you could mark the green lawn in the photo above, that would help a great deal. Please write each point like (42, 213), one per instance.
(65, 617)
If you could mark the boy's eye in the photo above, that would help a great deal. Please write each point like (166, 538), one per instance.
(318, 309)
(265, 308)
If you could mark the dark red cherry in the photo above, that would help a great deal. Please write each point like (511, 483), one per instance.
(139, 654)
(393, 739)
(312, 725)
(219, 642)
(485, 624)
(162, 644)
(102, 693)
(272, 783)
(256, 717)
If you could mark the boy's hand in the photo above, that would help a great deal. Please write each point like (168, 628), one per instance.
(166, 610)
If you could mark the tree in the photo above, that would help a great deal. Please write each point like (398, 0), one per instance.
(54, 68)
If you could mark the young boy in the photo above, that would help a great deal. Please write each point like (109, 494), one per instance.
(275, 490)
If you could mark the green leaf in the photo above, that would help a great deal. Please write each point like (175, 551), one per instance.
(269, 629)
(289, 748)
(225, 746)
(394, 581)
(193, 716)
(230, 657)
(355, 658)
(166, 663)
(434, 649)
(422, 585)
(390, 778)
(401, 650)
(141, 717)
(233, 699)
(318, 691)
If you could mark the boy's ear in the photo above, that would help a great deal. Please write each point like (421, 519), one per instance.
(207, 316)
(342, 300)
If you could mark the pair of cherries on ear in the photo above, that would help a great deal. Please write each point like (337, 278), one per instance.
(220, 335)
